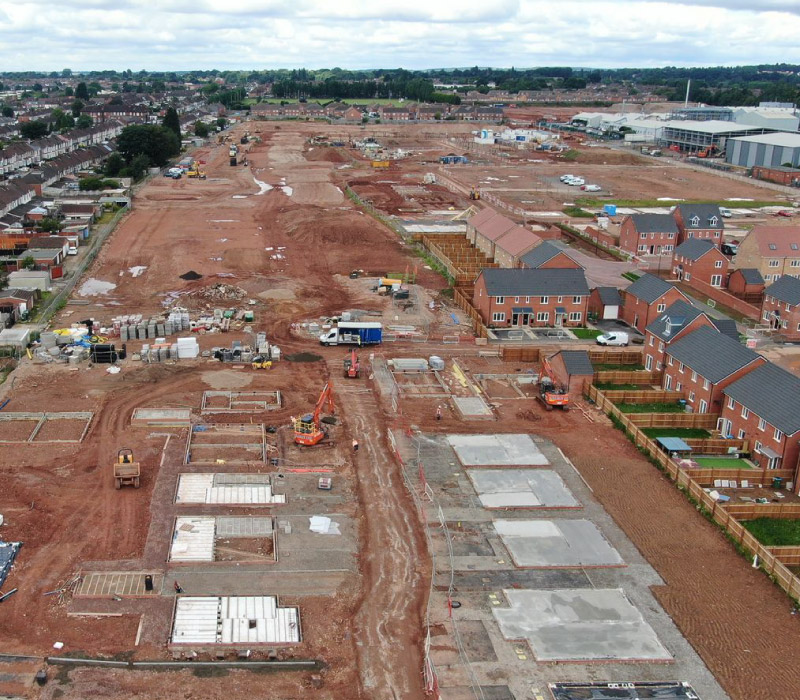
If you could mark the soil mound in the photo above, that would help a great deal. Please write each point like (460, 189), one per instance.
(191, 275)
(327, 154)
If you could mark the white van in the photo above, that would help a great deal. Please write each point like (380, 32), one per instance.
(615, 338)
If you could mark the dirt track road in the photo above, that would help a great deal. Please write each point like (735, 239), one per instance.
(389, 619)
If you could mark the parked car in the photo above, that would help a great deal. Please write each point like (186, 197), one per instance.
(564, 178)
(727, 213)
(730, 248)
(783, 212)
(616, 338)
(576, 181)
(591, 188)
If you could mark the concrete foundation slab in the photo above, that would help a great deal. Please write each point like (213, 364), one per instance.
(472, 407)
(512, 450)
(579, 625)
(204, 488)
(521, 488)
(623, 690)
(556, 543)
(193, 539)
(244, 527)
(162, 417)
(104, 584)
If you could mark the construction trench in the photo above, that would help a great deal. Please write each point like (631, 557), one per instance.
(458, 552)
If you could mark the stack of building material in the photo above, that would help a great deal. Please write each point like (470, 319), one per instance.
(188, 348)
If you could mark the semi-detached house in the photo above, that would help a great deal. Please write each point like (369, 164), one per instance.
(702, 363)
(699, 260)
(764, 408)
(781, 307)
(699, 221)
(646, 298)
(648, 234)
(518, 297)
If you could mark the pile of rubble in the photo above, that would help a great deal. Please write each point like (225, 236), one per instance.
(221, 290)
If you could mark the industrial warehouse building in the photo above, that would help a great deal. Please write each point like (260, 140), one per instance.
(694, 136)
(765, 150)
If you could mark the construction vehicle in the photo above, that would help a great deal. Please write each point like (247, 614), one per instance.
(196, 172)
(261, 362)
(353, 333)
(474, 193)
(308, 429)
(352, 367)
(126, 470)
(551, 393)
(233, 160)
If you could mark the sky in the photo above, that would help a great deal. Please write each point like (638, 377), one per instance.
(414, 34)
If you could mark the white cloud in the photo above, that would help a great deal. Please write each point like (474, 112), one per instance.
(252, 34)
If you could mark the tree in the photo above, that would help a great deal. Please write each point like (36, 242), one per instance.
(138, 167)
(114, 163)
(222, 122)
(68, 91)
(84, 121)
(8, 111)
(33, 130)
(172, 122)
(50, 225)
(77, 108)
(28, 263)
(201, 129)
(158, 143)
(82, 92)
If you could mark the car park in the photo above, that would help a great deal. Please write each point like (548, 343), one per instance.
(616, 338)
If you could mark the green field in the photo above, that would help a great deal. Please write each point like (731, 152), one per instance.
(774, 532)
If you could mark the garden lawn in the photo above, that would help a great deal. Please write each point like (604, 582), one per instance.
(774, 532)
(586, 333)
(651, 408)
(722, 463)
(691, 433)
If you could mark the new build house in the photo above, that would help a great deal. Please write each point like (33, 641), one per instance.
(746, 283)
(702, 363)
(764, 408)
(772, 250)
(648, 234)
(699, 221)
(781, 307)
(520, 297)
(646, 298)
(698, 259)
(675, 322)
(548, 254)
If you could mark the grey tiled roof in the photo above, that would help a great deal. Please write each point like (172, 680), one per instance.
(577, 362)
(771, 393)
(674, 317)
(541, 254)
(694, 248)
(502, 282)
(610, 296)
(726, 326)
(751, 275)
(712, 355)
(786, 289)
(704, 212)
(649, 288)
(654, 223)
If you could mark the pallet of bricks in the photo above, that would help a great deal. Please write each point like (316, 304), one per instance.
(135, 326)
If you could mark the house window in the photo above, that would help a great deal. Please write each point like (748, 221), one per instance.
(527, 300)
(560, 300)
(690, 235)
(577, 300)
(542, 316)
(498, 317)
(788, 307)
(661, 346)
(774, 263)
(794, 263)
(687, 276)
(703, 406)
(718, 264)
(713, 221)
(516, 300)
(678, 386)
(681, 367)
(575, 316)
(661, 307)
(694, 376)
(691, 397)
(670, 236)
(765, 316)
(499, 300)
(545, 300)
(706, 384)
(669, 360)
(695, 221)
(778, 435)
(745, 412)
(668, 248)
(642, 248)
(758, 446)
(741, 434)
(644, 235)
(668, 382)
(658, 366)
(648, 364)
(767, 278)
(762, 424)
(716, 280)
(652, 341)
(731, 403)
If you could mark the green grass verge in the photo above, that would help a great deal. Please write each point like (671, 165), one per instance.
(774, 532)
(691, 433)
(722, 463)
(577, 213)
(571, 155)
(632, 276)
(637, 203)
(651, 408)
(586, 333)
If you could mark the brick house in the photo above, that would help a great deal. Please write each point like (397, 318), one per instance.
(648, 234)
(519, 297)
(703, 363)
(746, 283)
(699, 259)
(772, 250)
(699, 221)
(675, 322)
(646, 298)
(764, 408)
(514, 243)
(781, 307)
(548, 255)
(17, 302)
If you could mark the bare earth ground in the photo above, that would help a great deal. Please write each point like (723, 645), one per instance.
(60, 501)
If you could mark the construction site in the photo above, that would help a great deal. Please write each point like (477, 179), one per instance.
(296, 471)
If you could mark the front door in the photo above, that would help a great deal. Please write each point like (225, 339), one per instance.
(514, 319)
(526, 319)
(559, 320)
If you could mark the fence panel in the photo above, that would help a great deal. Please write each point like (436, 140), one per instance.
(609, 376)
(615, 357)
(643, 396)
(706, 421)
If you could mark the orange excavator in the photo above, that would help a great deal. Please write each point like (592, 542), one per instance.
(552, 394)
(352, 367)
(308, 429)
